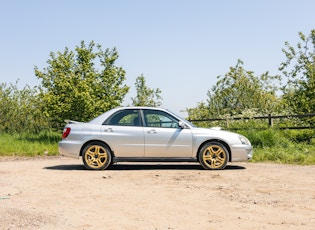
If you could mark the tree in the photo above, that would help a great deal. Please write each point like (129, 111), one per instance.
(146, 96)
(81, 84)
(237, 91)
(240, 90)
(299, 71)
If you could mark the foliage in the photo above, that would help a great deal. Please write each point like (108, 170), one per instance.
(21, 109)
(266, 138)
(237, 91)
(283, 146)
(240, 90)
(81, 84)
(146, 96)
(300, 154)
(299, 71)
(200, 112)
(300, 136)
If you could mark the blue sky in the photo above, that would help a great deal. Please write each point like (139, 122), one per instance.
(180, 46)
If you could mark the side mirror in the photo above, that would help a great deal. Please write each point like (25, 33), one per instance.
(182, 125)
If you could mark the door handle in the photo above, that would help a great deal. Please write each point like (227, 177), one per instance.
(108, 130)
(152, 131)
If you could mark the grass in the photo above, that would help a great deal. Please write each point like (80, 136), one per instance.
(299, 154)
(26, 144)
(278, 146)
(283, 146)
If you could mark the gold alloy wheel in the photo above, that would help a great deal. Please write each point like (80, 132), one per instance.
(96, 156)
(214, 157)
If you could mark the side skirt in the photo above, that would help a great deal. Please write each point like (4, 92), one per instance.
(153, 159)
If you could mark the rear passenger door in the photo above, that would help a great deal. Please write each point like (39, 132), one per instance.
(123, 131)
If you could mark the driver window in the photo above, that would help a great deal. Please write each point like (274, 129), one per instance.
(159, 119)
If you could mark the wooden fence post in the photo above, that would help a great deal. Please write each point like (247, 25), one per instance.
(270, 122)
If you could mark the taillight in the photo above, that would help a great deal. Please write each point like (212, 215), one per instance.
(65, 132)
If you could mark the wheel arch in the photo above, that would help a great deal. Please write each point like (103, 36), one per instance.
(215, 140)
(95, 141)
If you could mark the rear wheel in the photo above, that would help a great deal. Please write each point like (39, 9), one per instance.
(96, 156)
(213, 155)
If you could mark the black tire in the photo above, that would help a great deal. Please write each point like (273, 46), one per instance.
(213, 155)
(96, 156)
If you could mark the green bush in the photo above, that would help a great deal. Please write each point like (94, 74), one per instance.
(300, 136)
(282, 146)
(21, 110)
(266, 138)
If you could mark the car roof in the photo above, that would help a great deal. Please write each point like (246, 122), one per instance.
(140, 107)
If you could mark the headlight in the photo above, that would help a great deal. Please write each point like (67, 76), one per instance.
(244, 140)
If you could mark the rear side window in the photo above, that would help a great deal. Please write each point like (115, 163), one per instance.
(128, 117)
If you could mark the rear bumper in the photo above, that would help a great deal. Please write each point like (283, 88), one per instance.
(69, 148)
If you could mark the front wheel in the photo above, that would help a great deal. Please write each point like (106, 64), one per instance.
(213, 155)
(96, 156)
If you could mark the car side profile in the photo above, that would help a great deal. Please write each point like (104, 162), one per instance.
(148, 134)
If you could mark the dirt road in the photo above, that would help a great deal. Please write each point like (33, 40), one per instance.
(58, 193)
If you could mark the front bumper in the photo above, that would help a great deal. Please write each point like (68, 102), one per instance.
(242, 153)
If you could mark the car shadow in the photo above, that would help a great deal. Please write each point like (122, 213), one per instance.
(135, 167)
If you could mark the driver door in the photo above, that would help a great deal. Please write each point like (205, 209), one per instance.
(163, 136)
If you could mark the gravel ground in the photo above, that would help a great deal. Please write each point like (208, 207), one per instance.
(59, 193)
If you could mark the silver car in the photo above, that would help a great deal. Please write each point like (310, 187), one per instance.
(145, 134)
